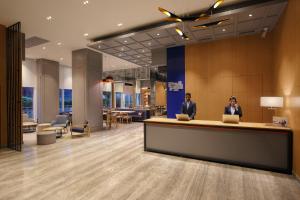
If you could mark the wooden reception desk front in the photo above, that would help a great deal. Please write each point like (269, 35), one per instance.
(254, 145)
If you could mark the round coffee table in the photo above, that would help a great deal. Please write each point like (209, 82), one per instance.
(41, 127)
(58, 130)
(46, 137)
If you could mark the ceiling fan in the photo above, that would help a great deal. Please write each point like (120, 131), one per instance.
(203, 16)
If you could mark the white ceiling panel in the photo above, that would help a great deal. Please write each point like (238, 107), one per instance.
(131, 52)
(111, 43)
(158, 33)
(126, 41)
(166, 41)
(141, 37)
(136, 46)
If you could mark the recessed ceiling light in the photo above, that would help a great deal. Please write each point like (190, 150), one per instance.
(85, 2)
(250, 15)
(120, 24)
(223, 29)
(44, 48)
(158, 34)
(86, 34)
(49, 18)
(61, 58)
(59, 43)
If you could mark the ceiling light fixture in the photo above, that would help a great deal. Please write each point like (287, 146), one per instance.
(86, 34)
(179, 31)
(44, 48)
(61, 58)
(85, 3)
(218, 3)
(125, 41)
(250, 15)
(120, 24)
(223, 29)
(49, 18)
(59, 43)
(158, 34)
(172, 16)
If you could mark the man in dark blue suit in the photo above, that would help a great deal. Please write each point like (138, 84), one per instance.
(188, 107)
(233, 108)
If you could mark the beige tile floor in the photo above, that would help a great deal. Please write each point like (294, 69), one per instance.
(112, 165)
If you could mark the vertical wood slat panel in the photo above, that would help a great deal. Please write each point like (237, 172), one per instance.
(14, 86)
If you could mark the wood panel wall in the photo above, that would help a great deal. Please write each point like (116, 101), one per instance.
(240, 66)
(160, 94)
(287, 71)
(3, 117)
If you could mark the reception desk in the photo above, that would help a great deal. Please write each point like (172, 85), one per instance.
(254, 145)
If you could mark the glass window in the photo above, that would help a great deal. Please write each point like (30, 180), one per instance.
(27, 101)
(118, 99)
(67, 100)
(106, 99)
(138, 99)
(128, 101)
(60, 100)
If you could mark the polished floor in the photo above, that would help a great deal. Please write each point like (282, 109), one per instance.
(112, 165)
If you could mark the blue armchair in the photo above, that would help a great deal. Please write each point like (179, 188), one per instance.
(61, 121)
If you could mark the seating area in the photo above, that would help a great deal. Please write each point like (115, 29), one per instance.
(61, 126)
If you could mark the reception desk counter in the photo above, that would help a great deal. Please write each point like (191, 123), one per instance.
(253, 145)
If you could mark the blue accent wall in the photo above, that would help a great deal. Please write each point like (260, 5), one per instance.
(175, 73)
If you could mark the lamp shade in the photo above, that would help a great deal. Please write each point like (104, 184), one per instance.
(271, 102)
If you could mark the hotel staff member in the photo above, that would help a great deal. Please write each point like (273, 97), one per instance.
(233, 108)
(188, 107)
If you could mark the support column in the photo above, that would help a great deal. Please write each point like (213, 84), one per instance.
(47, 90)
(87, 96)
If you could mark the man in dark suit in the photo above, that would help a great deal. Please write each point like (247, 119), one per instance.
(233, 108)
(188, 107)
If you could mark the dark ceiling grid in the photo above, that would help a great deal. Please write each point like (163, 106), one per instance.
(137, 50)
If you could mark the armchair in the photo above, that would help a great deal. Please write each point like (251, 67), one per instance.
(82, 129)
(61, 121)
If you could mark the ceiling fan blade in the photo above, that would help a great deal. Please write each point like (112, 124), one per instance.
(185, 37)
(215, 23)
(182, 34)
(203, 16)
(170, 15)
(171, 19)
(207, 14)
(217, 3)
